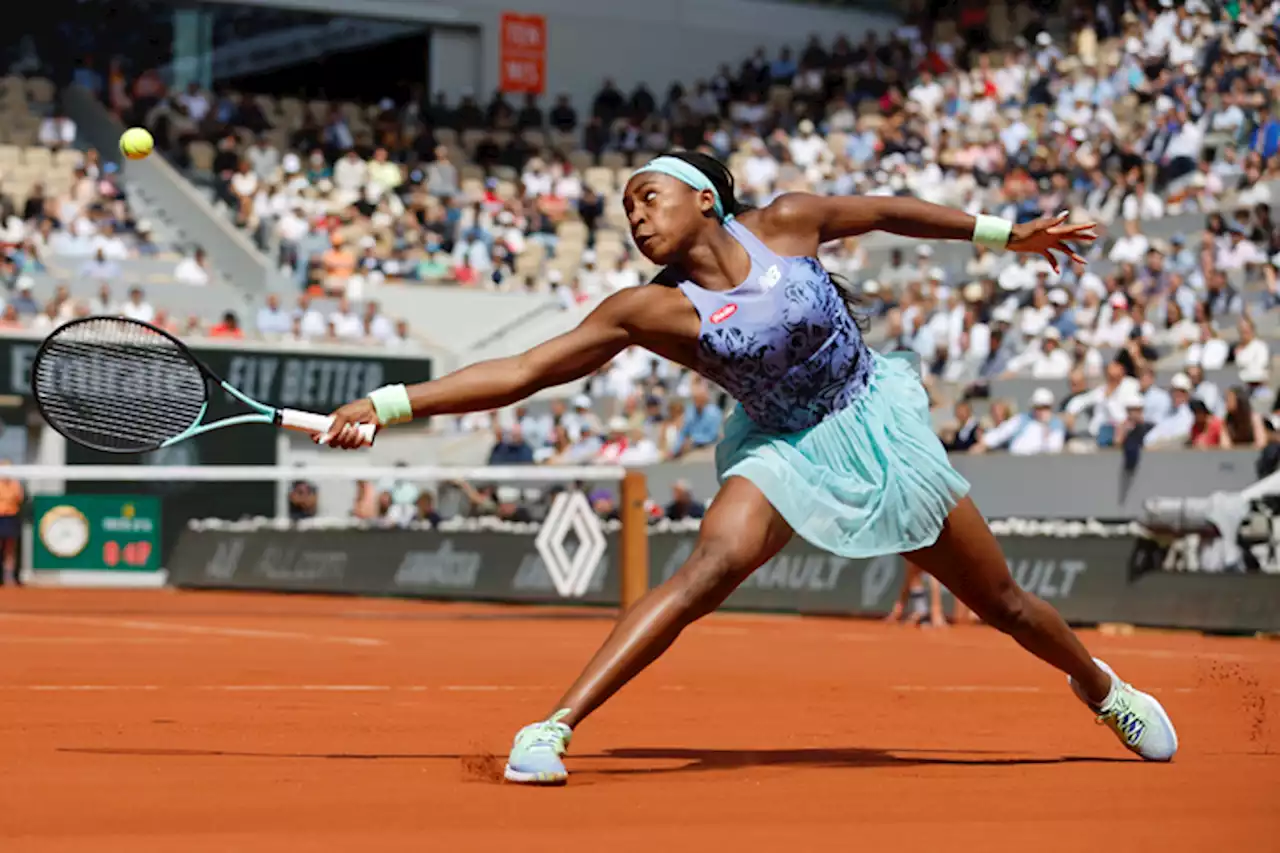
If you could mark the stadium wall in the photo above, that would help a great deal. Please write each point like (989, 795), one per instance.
(1090, 579)
(658, 42)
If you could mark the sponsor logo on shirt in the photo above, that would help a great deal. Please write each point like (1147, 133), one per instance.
(724, 313)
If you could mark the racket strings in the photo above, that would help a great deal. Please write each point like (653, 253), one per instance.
(118, 385)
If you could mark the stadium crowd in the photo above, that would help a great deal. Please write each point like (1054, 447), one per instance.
(1137, 112)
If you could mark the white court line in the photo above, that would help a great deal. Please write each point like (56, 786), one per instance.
(96, 641)
(965, 688)
(265, 688)
(204, 630)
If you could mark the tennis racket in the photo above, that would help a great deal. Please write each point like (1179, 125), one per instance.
(123, 386)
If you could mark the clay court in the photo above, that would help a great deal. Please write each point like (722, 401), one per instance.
(168, 721)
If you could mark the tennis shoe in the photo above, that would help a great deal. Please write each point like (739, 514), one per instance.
(1136, 718)
(536, 753)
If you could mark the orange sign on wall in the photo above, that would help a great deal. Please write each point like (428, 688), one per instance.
(523, 53)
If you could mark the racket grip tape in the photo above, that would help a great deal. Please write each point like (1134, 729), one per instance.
(313, 423)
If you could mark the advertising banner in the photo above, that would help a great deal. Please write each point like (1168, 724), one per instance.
(1087, 579)
(523, 54)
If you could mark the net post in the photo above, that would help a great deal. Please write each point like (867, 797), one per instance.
(634, 557)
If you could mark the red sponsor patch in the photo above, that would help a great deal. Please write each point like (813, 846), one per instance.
(724, 313)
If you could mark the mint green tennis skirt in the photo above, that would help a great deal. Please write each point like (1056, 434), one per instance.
(871, 479)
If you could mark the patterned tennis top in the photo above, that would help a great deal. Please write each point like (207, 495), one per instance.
(782, 343)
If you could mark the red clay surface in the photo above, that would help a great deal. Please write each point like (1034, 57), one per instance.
(166, 721)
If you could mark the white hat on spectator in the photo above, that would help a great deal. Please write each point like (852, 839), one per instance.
(554, 276)
(617, 424)
(1119, 301)
(1051, 333)
(582, 401)
(925, 251)
(1003, 314)
(13, 231)
(871, 286)
(1042, 398)
(1044, 39)
(589, 256)
(937, 274)
(1058, 296)
(1131, 397)
(1252, 374)
(806, 126)
(1181, 382)
(291, 164)
(25, 282)
(508, 494)
(142, 226)
(1079, 134)
(974, 291)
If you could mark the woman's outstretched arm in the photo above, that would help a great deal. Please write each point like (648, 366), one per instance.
(500, 382)
(827, 218)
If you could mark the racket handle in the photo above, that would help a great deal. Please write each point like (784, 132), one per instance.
(313, 423)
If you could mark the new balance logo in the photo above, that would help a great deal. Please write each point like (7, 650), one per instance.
(770, 277)
(571, 575)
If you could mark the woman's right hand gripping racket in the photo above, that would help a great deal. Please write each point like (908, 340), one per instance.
(123, 386)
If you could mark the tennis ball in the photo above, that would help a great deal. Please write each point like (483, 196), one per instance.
(136, 143)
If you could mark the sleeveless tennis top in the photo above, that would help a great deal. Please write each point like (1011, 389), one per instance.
(782, 343)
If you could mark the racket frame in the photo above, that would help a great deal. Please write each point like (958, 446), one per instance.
(263, 414)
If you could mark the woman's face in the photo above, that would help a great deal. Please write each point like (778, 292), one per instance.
(665, 215)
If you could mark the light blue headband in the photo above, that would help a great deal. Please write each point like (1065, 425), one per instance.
(685, 173)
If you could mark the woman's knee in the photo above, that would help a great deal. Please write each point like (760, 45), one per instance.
(706, 579)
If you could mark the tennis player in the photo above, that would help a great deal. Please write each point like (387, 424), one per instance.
(829, 440)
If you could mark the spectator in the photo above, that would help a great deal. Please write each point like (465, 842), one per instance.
(967, 430)
(193, 270)
(1174, 429)
(683, 505)
(1206, 428)
(272, 321)
(1108, 404)
(366, 506)
(399, 499)
(1040, 431)
(303, 499)
(1242, 426)
(100, 268)
(23, 303)
(701, 425)
(511, 448)
(509, 508)
(228, 328)
(11, 501)
(137, 307)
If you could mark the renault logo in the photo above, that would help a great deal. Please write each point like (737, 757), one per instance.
(571, 575)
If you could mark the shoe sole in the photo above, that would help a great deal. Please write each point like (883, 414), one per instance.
(540, 778)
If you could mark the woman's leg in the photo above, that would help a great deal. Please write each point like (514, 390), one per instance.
(741, 531)
(967, 559)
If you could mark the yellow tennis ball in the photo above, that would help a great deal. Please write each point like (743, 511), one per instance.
(136, 143)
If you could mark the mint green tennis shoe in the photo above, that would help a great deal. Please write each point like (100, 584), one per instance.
(536, 754)
(1136, 718)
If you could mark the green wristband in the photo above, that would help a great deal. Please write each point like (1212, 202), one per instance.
(391, 402)
(992, 231)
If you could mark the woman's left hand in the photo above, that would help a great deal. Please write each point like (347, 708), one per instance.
(1050, 234)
